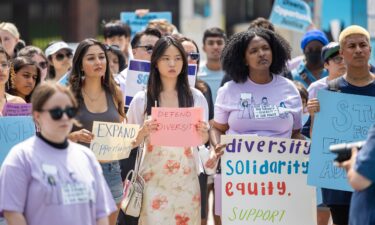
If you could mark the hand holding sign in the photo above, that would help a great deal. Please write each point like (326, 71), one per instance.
(183, 124)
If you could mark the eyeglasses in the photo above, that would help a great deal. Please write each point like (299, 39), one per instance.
(112, 47)
(4, 65)
(57, 113)
(148, 48)
(337, 59)
(193, 55)
(61, 56)
(43, 65)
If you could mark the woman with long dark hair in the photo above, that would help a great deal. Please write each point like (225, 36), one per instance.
(171, 194)
(99, 99)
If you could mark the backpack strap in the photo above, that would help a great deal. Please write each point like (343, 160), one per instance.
(333, 85)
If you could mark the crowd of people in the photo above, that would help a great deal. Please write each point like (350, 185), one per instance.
(53, 178)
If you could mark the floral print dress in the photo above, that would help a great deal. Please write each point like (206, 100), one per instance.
(172, 193)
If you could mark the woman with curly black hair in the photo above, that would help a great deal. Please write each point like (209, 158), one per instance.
(258, 100)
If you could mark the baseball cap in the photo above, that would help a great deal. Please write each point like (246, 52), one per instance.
(329, 50)
(55, 47)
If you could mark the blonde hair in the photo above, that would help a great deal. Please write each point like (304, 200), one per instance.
(354, 29)
(11, 28)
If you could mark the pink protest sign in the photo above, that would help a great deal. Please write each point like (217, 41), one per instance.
(16, 109)
(177, 126)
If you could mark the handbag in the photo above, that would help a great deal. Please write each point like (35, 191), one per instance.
(131, 203)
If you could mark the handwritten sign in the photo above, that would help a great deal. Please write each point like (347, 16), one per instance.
(112, 141)
(14, 130)
(291, 14)
(177, 126)
(14, 109)
(137, 78)
(264, 181)
(342, 118)
(138, 23)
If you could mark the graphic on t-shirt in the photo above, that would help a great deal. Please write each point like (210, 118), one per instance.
(249, 109)
(245, 106)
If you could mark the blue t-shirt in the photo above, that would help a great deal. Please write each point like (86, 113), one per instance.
(362, 208)
(335, 197)
(304, 75)
(212, 78)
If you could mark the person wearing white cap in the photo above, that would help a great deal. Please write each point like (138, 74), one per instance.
(60, 57)
(9, 37)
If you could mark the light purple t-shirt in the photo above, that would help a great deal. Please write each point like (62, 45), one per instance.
(54, 186)
(316, 86)
(271, 110)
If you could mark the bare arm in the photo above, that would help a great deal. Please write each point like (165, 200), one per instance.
(217, 129)
(313, 107)
(14, 218)
(102, 221)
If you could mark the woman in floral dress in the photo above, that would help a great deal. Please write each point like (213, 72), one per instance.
(172, 194)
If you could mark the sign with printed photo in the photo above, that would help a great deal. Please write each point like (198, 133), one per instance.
(264, 181)
(342, 118)
(112, 141)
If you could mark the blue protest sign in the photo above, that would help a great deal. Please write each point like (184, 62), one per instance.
(342, 118)
(137, 78)
(138, 23)
(291, 14)
(14, 130)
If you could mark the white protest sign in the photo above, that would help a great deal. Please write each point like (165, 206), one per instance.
(112, 141)
(264, 181)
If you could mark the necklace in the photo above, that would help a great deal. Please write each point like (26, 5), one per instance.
(90, 98)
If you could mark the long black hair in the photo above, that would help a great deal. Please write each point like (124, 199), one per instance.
(233, 56)
(155, 86)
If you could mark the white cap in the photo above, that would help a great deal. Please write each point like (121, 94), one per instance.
(57, 47)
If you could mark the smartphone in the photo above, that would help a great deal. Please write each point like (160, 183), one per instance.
(344, 150)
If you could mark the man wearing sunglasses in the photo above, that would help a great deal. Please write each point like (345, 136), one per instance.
(213, 45)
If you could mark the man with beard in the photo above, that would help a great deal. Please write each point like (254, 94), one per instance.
(312, 68)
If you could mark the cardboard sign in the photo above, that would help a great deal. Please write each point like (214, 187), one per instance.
(14, 109)
(14, 130)
(138, 23)
(291, 14)
(342, 118)
(112, 141)
(137, 78)
(264, 181)
(177, 126)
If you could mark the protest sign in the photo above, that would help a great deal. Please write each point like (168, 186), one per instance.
(291, 14)
(138, 23)
(137, 78)
(264, 181)
(112, 141)
(14, 130)
(342, 118)
(177, 126)
(16, 109)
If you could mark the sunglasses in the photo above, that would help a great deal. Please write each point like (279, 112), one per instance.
(193, 55)
(43, 65)
(148, 48)
(61, 56)
(57, 113)
(112, 47)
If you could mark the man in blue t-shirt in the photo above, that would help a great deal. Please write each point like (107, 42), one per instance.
(211, 72)
(356, 50)
(361, 176)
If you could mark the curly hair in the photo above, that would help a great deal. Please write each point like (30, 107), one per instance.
(76, 77)
(155, 85)
(233, 56)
